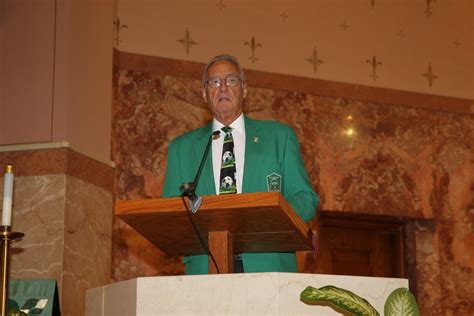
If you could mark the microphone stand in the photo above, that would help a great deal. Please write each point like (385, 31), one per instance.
(189, 188)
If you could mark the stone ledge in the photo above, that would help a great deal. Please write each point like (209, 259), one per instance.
(57, 159)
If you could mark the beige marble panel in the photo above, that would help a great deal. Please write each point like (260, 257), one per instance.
(87, 242)
(94, 302)
(234, 294)
(67, 224)
(38, 212)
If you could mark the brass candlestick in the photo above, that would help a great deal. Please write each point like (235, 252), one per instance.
(7, 237)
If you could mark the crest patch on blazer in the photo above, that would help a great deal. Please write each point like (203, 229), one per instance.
(274, 182)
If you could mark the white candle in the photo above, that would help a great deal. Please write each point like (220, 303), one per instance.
(7, 196)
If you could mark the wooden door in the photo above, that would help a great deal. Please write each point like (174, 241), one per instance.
(358, 245)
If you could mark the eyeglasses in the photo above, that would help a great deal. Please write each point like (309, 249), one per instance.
(230, 81)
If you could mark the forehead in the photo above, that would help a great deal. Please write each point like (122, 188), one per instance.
(222, 68)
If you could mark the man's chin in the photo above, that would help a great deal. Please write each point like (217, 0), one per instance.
(225, 108)
(226, 118)
(225, 104)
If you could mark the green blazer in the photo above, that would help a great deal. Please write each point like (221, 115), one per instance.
(272, 162)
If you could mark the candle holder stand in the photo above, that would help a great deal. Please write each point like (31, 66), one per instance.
(7, 237)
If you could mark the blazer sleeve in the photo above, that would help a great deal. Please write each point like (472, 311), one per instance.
(173, 173)
(297, 188)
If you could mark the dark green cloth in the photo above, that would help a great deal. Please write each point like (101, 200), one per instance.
(34, 297)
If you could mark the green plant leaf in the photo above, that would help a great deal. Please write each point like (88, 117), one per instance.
(338, 298)
(401, 302)
(14, 308)
(30, 303)
(12, 304)
(16, 312)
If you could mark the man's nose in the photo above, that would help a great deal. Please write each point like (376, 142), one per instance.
(223, 86)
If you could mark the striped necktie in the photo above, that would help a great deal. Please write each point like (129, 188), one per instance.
(228, 184)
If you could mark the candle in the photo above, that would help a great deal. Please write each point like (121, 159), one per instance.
(7, 196)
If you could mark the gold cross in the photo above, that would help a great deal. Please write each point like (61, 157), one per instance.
(401, 34)
(315, 60)
(344, 25)
(430, 76)
(221, 4)
(187, 41)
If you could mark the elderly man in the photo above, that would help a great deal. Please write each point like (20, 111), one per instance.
(250, 156)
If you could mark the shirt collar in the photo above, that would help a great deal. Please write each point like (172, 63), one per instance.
(237, 125)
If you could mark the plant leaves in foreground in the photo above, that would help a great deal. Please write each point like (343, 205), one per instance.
(338, 299)
(401, 302)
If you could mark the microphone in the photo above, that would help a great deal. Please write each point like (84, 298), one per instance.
(189, 188)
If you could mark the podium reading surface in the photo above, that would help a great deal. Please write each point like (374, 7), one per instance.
(255, 222)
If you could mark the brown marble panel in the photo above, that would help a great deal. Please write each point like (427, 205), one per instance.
(60, 161)
(188, 69)
(444, 279)
(134, 256)
(362, 157)
(90, 170)
(366, 158)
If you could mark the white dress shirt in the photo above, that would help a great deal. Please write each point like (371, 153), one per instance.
(238, 133)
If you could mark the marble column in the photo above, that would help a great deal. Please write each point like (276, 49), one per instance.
(63, 203)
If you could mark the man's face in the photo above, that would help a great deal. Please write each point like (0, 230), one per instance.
(225, 101)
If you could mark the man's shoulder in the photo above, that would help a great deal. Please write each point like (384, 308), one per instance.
(269, 125)
(193, 135)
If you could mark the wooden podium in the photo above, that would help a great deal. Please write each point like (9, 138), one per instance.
(234, 223)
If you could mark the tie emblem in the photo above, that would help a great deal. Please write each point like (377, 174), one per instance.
(228, 184)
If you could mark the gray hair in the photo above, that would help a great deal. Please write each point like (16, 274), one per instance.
(228, 58)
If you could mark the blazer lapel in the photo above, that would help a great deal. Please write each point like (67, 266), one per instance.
(206, 181)
(253, 157)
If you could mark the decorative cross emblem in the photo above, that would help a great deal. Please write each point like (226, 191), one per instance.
(221, 5)
(187, 41)
(430, 76)
(315, 60)
(374, 63)
(253, 46)
(401, 34)
(344, 26)
(284, 16)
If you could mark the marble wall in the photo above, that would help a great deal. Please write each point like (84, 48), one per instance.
(63, 203)
(362, 157)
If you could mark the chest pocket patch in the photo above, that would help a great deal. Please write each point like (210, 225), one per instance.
(274, 182)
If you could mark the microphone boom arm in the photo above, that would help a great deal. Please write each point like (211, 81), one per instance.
(189, 188)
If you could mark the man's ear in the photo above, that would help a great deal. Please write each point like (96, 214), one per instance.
(244, 93)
